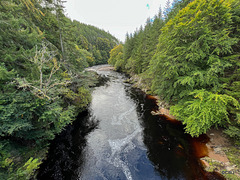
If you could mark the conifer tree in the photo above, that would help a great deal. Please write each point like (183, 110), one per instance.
(194, 50)
(191, 50)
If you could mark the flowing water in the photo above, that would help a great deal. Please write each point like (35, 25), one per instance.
(119, 139)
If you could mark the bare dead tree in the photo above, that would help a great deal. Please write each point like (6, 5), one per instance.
(43, 57)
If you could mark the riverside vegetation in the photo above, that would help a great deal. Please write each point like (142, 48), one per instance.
(189, 56)
(43, 85)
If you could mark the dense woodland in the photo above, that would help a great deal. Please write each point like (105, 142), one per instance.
(189, 56)
(42, 83)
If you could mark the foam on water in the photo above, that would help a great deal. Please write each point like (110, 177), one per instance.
(119, 139)
(117, 132)
(117, 145)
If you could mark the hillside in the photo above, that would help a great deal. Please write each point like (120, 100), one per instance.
(42, 83)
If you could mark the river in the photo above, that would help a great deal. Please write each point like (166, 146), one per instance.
(119, 139)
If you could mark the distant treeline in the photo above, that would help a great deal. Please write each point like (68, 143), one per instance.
(189, 57)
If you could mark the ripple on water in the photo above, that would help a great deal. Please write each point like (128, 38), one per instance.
(127, 142)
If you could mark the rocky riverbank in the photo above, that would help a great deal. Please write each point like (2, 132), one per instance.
(222, 155)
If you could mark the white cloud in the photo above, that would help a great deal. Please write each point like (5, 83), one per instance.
(116, 16)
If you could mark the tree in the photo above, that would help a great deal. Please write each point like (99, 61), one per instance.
(114, 53)
(116, 57)
(103, 45)
(44, 60)
(167, 9)
(194, 50)
(204, 111)
(177, 5)
(39, 93)
(231, 79)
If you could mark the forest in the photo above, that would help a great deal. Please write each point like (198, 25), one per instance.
(43, 85)
(189, 56)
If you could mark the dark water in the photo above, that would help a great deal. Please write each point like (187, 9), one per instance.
(119, 139)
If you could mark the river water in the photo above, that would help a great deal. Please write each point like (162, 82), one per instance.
(119, 139)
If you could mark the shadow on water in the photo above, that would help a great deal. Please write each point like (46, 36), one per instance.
(153, 149)
(175, 155)
(64, 155)
(166, 142)
(65, 152)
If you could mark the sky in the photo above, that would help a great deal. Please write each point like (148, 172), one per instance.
(115, 16)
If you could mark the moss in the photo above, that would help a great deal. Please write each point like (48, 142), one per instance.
(231, 176)
(229, 170)
(233, 154)
(213, 165)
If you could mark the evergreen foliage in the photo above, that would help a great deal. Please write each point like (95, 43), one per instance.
(96, 41)
(140, 47)
(205, 110)
(116, 57)
(42, 83)
(194, 64)
(194, 53)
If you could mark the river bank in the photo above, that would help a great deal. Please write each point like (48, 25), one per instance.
(218, 153)
(126, 141)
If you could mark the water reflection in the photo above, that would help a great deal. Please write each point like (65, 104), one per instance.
(66, 150)
(120, 139)
(167, 145)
